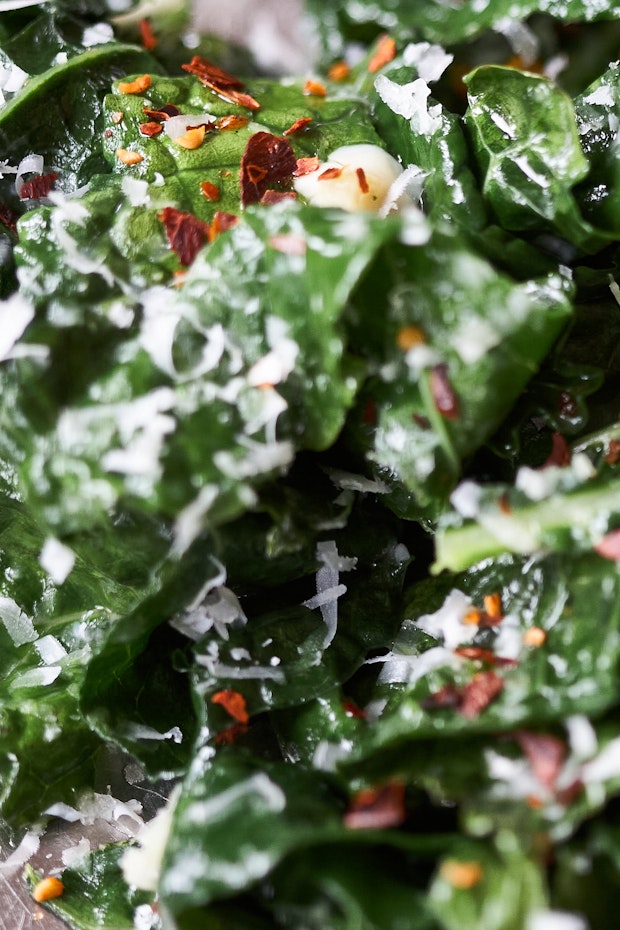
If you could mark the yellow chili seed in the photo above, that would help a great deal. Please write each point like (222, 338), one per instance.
(135, 87)
(129, 158)
(47, 889)
(408, 337)
(461, 875)
(192, 139)
(534, 636)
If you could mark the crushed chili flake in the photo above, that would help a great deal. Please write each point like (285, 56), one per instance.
(151, 128)
(129, 158)
(117, 117)
(362, 180)
(220, 223)
(479, 693)
(409, 336)
(504, 505)
(302, 123)
(314, 89)
(306, 166)
(533, 801)
(534, 636)
(560, 453)
(352, 710)
(613, 452)
(473, 616)
(8, 218)
(230, 734)
(533, 67)
(609, 546)
(186, 233)
(229, 123)
(369, 415)
(210, 191)
(147, 36)
(420, 421)
(461, 875)
(545, 753)
(220, 82)
(448, 696)
(566, 796)
(193, 138)
(443, 393)
(233, 703)
(479, 654)
(267, 160)
(38, 187)
(162, 113)
(339, 71)
(270, 197)
(135, 87)
(330, 174)
(48, 888)
(386, 52)
(288, 244)
(377, 808)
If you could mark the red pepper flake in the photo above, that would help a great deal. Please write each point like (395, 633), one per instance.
(362, 180)
(220, 82)
(377, 808)
(330, 174)
(210, 191)
(233, 703)
(369, 416)
(613, 452)
(449, 696)
(420, 421)
(478, 654)
(477, 617)
(270, 197)
(479, 693)
(443, 393)
(339, 71)
(229, 123)
(230, 735)
(560, 453)
(302, 123)
(162, 113)
(504, 505)
(545, 753)
(352, 710)
(288, 244)
(147, 36)
(306, 166)
(386, 52)
(150, 129)
(267, 160)
(186, 233)
(314, 89)
(221, 222)
(609, 546)
(8, 218)
(135, 87)
(38, 187)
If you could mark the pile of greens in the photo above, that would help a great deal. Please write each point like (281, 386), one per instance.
(315, 515)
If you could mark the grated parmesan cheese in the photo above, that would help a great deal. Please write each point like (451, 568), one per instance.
(57, 560)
